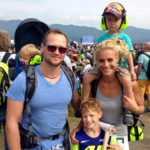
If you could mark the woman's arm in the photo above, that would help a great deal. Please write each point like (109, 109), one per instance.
(136, 104)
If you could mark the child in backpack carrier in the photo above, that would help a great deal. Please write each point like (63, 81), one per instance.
(29, 55)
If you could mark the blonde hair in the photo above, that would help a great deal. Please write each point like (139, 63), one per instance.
(5, 42)
(29, 50)
(90, 104)
(120, 48)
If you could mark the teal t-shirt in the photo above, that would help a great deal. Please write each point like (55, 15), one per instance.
(122, 36)
(143, 59)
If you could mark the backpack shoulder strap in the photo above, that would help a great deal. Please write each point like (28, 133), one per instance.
(146, 55)
(30, 82)
(30, 89)
(94, 87)
(5, 57)
(69, 75)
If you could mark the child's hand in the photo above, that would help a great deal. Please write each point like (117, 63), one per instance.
(133, 76)
(72, 136)
(114, 147)
(129, 104)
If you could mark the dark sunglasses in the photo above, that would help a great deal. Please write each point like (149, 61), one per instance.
(52, 48)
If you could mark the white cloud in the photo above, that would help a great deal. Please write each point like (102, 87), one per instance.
(78, 12)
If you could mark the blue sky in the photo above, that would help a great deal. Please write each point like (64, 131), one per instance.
(76, 12)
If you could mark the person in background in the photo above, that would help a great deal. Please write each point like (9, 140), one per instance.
(143, 80)
(5, 45)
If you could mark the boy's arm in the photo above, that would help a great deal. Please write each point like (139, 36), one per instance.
(131, 66)
(73, 133)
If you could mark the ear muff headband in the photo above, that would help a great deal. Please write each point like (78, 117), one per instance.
(35, 60)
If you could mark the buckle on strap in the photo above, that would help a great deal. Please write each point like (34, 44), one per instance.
(38, 140)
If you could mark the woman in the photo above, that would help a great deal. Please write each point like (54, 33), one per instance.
(109, 89)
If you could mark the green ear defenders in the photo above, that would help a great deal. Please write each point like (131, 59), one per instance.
(103, 25)
(35, 60)
(123, 26)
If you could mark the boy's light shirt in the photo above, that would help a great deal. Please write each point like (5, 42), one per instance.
(122, 36)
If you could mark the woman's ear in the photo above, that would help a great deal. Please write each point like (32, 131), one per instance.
(100, 114)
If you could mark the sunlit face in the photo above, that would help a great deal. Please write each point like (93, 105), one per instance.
(113, 23)
(107, 61)
(54, 58)
(91, 119)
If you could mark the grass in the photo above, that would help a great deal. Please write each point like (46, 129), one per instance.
(73, 121)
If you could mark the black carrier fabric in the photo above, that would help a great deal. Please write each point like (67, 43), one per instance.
(29, 31)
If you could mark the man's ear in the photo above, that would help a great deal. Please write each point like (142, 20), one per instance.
(42, 47)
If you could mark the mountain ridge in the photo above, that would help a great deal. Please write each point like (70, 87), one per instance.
(75, 32)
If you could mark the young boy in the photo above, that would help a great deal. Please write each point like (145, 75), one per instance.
(27, 54)
(92, 136)
(114, 18)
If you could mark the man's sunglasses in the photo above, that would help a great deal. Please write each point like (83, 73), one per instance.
(52, 48)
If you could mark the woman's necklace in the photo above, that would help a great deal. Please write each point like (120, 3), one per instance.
(47, 76)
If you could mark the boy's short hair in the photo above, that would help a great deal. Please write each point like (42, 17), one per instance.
(29, 50)
(90, 104)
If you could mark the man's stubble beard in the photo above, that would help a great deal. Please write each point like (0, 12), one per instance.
(48, 61)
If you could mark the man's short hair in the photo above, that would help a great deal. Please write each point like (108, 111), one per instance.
(5, 42)
(54, 31)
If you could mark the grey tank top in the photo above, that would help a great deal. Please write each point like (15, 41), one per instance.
(113, 112)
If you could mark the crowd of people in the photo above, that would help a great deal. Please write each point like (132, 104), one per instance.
(61, 73)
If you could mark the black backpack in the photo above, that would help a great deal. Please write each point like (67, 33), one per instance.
(148, 68)
(28, 138)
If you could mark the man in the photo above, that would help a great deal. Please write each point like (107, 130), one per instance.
(49, 103)
(143, 81)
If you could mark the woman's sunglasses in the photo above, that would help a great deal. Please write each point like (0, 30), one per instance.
(52, 48)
